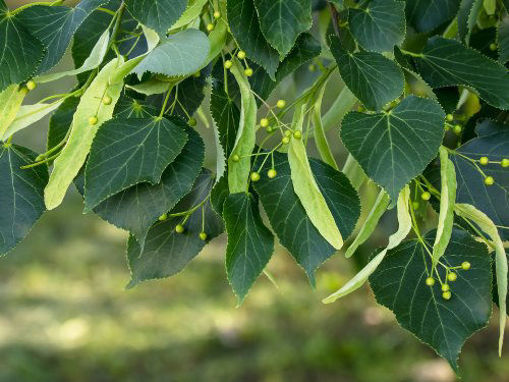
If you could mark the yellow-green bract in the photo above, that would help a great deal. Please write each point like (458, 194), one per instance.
(10, 102)
(447, 201)
(405, 225)
(471, 213)
(107, 83)
(306, 188)
(238, 172)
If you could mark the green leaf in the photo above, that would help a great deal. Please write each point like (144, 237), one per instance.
(193, 11)
(250, 243)
(306, 187)
(29, 114)
(75, 152)
(282, 205)
(373, 79)
(166, 252)
(10, 102)
(238, 172)
(282, 21)
(368, 227)
(426, 15)
(137, 208)
(486, 225)
(467, 17)
(55, 26)
(179, 54)
(159, 15)
(492, 200)
(399, 284)
(21, 194)
(379, 26)
(126, 152)
(226, 116)
(503, 40)
(405, 225)
(449, 63)
(245, 28)
(394, 147)
(20, 52)
(447, 203)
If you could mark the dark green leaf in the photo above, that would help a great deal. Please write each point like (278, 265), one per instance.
(467, 17)
(126, 152)
(399, 284)
(503, 40)
(21, 195)
(449, 63)
(137, 208)
(492, 200)
(282, 21)
(394, 147)
(250, 243)
(166, 252)
(55, 26)
(20, 52)
(379, 26)
(226, 116)
(159, 15)
(245, 27)
(182, 53)
(426, 15)
(374, 79)
(288, 217)
(130, 108)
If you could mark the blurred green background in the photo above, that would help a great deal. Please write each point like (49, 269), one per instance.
(65, 315)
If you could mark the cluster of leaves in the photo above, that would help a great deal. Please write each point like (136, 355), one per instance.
(430, 86)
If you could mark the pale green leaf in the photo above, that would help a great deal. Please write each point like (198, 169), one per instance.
(10, 102)
(471, 213)
(193, 11)
(306, 188)
(405, 225)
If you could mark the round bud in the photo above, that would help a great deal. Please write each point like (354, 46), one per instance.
(281, 103)
(255, 177)
(210, 27)
(235, 158)
(430, 281)
(203, 236)
(452, 276)
(228, 64)
(493, 46)
(93, 121)
(285, 140)
(484, 161)
(248, 72)
(241, 55)
(489, 181)
(288, 133)
(447, 295)
(297, 135)
(415, 205)
(269, 129)
(505, 162)
(271, 173)
(449, 117)
(264, 122)
(179, 228)
(425, 195)
(107, 100)
(192, 122)
(445, 287)
(217, 15)
(163, 217)
(311, 67)
(31, 85)
(465, 265)
(457, 129)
